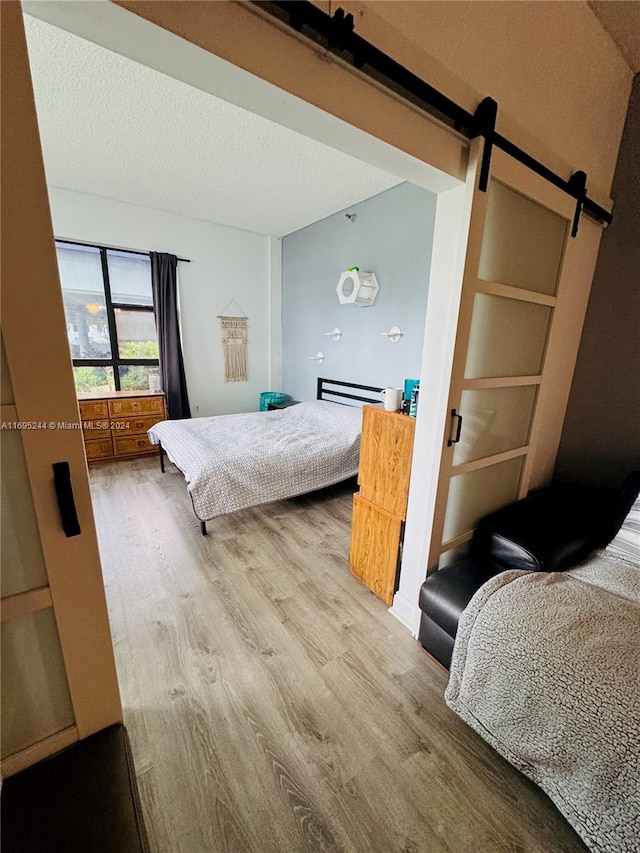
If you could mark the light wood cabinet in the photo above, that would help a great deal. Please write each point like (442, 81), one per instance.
(101, 448)
(380, 507)
(147, 405)
(115, 425)
(132, 445)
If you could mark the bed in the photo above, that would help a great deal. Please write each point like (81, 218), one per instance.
(232, 462)
(546, 669)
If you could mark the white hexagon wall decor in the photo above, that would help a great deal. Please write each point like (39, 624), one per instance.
(357, 288)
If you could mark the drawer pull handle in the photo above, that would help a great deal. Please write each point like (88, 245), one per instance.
(141, 443)
(66, 501)
(454, 414)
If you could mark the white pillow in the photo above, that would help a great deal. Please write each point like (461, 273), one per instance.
(626, 543)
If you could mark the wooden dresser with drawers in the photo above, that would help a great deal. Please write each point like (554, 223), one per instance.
(115, 424)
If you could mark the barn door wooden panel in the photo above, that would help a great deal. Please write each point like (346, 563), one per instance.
(518, 244)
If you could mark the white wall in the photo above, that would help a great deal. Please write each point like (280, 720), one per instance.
(226, 263)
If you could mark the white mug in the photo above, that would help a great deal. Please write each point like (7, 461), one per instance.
(392, 398)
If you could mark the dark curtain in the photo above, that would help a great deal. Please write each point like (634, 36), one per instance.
(164, 281)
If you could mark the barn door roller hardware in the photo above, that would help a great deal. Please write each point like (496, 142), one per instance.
(336, 34)
(485, 125)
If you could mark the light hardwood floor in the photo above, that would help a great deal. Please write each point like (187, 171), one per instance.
(273, 704)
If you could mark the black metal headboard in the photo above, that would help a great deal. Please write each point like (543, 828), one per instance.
(326, 393)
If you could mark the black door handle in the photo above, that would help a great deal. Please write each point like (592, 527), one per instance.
(66, 502)
(454, 414)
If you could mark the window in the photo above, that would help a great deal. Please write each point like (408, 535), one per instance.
(108, 304)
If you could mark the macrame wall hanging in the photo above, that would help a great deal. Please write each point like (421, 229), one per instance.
(234, 337)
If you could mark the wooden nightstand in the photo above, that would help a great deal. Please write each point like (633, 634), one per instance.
(380, 507)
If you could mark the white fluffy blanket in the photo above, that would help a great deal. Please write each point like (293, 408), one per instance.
(231, 462)
(546, 668)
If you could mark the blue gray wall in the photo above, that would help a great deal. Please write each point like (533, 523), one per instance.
(392, 237)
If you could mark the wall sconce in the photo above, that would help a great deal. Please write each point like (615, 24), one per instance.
(357, 288)
(394, 334)
(318, 358)
(335, 335)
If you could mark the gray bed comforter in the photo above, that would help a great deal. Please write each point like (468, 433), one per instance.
(546, 668)
(232, 462)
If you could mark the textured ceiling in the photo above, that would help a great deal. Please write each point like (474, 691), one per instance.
(118, 129)
(621, 19)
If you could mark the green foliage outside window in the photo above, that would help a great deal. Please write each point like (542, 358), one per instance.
(89, 379)
(133, 377)
(139, 349)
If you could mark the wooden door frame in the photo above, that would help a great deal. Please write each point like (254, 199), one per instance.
(31, 293)
(450, 247)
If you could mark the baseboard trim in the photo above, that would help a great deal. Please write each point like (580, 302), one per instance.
(404, 611)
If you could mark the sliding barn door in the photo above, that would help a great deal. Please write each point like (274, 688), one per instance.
(58, 674)
(504, 383)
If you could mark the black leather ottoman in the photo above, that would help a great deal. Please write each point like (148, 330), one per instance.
(443, 597)
(549, 530)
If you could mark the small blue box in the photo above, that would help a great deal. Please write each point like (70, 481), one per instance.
(409, 385)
